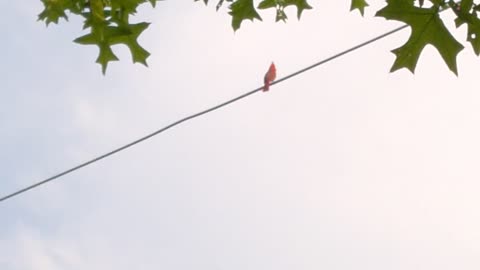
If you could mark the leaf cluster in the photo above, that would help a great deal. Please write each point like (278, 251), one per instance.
(428, 28)
(241, 10)
(108, 24)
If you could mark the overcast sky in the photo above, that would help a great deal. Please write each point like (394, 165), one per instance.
(344, 167)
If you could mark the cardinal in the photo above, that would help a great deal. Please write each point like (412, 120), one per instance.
(269, 77)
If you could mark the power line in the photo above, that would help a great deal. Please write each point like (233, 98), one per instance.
(197, 115)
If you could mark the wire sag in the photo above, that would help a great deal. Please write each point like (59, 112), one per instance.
(185, 119)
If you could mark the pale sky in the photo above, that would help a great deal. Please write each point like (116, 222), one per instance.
(344, 167)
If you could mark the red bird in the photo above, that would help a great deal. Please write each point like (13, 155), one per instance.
(269, 77)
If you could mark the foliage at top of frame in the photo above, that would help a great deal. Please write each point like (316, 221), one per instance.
(108, 24)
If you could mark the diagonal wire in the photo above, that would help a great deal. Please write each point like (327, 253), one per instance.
(178, 122)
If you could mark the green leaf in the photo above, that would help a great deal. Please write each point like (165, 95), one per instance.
(96, 6)
(106, 55)
(268, 4)
(281, 15)
(130, 6)
(280, 5)
(54, 10)
(97, 37)
(473, 23)
(300, 4)
(360, 5)
(242, 10)
(462, 11)
(466, 5)
(219, 3)
(106, 36)
(474, 35)
(427, 28)
(128, 36)
(153, 2)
